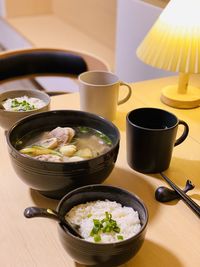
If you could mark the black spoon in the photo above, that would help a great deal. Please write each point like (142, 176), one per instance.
(188, 201)
(32, 212)
(165, 194)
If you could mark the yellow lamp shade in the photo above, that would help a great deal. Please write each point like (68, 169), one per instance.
(173, 44)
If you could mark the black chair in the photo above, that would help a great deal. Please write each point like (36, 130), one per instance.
(33, 62)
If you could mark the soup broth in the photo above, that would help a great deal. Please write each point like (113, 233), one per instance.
(65, 144)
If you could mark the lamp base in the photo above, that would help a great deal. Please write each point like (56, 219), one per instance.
(171, 97)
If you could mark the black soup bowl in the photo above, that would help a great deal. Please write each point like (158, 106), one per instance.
(55, 179)
(102, 254)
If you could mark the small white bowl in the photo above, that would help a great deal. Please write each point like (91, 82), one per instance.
(8, 118)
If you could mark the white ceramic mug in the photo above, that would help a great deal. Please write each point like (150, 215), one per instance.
(99, 93)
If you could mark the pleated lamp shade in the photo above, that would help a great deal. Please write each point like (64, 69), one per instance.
(173, 44)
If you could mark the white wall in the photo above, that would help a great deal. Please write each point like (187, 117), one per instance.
(2, 8)
(134, 19)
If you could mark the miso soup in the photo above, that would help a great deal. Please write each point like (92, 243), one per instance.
(65, 144)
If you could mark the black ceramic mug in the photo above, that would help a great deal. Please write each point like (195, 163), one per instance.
(150, 137)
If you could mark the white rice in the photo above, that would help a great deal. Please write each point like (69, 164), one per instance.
(38, 103)
(126, 217)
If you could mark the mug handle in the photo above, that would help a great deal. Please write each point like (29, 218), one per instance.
(184, 134)
(128, 95)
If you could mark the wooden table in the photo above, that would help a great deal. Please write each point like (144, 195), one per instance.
(173, 234)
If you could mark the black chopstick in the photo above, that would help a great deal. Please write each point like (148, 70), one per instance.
(191, 203)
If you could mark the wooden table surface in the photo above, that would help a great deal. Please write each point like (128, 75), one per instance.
(173, 234)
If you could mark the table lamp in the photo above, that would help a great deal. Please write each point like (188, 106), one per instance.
(173, 44)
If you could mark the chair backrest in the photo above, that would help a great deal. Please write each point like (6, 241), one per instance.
(33, 62)
(46, 61)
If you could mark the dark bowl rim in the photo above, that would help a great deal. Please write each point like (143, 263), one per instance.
(111, 187)
(47, 101)
(16, 124)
